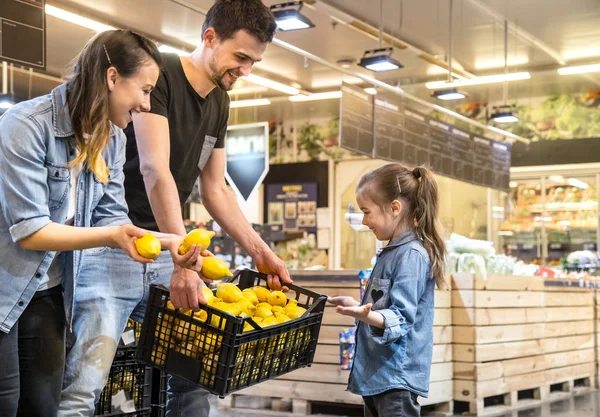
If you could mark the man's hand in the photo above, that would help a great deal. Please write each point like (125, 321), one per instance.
(186, 289)
(190, 260)
(268, 263)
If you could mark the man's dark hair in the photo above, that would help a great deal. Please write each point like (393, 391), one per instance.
(229, 16)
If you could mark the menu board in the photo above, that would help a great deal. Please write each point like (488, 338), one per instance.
(23, 32)
(402, 134)
(356, 120)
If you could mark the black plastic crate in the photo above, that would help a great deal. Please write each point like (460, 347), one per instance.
(128, 389)
(210, 349)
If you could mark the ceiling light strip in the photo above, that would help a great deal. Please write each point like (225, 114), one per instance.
(274, 85)
(76, 19)
(249, 103)
(580, 69)
(316, 96)
(488, 79)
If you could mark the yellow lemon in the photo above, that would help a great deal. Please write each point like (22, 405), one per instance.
(148, 246)
(246, 307)
(208, 295)
(263, 310)
(229, 293)
(230, 308)
(248, 327)
(281, 318)
(277, 298)
(277, 309)
(250, 295)
(293, 311)
(199, 237)
(215, 269)
(269, 321)
(262, 293)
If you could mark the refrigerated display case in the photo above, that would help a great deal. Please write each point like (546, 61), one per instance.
(550, 212)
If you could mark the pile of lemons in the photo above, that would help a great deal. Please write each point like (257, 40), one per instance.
(267, 308)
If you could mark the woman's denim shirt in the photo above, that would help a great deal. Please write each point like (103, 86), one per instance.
(401, 289)
(36, 145)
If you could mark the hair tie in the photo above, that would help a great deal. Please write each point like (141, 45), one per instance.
(417, 172)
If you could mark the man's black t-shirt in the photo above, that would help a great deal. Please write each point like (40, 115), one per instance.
(196, 126)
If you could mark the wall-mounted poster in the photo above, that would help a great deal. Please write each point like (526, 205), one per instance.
(293, 205)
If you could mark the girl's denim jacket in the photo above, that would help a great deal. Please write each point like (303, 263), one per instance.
(36, 146)
(402, 290)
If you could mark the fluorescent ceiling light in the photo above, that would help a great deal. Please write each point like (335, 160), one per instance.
(504, 117)
(379, 60)
(558, 179)
(513, 184)
(76, 19)
(504, 114)
(171, 50)
(248, 90)
(371, 90)
(577, 183)
(581, 69)
(488, 79)
(581, 53)
(380, 63)
(274, 85)
(505, 233)
(290, 18)
(249, 103)
(317, 96)
(449, 94)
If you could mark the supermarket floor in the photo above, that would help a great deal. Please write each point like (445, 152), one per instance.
(585, 405)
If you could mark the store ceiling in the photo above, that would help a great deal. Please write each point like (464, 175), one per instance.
(563, 31)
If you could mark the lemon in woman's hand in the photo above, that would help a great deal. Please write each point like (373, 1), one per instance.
(148, 246)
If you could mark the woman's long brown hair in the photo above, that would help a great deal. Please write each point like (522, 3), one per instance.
(87, 90)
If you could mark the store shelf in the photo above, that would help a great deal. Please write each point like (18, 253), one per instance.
(588, 205)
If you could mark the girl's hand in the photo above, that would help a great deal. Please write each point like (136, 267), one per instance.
(358, 312)
(342, 300)
(190, 260)
(124, 238)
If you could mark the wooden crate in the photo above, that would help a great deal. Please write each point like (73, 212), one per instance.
(517, 341)
(324, 381)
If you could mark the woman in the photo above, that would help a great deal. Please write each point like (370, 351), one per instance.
(61, 190)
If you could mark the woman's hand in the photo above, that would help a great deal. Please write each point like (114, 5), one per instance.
(343, 301)
(124, 237)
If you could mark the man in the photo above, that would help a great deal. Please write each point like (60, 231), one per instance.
(181, 138)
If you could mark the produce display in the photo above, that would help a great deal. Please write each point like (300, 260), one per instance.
(479, 256)
(565, 207)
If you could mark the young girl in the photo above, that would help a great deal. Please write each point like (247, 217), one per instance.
(61, 190)
(394, 337)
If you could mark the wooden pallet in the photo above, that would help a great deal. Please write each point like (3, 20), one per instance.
(515, 400)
